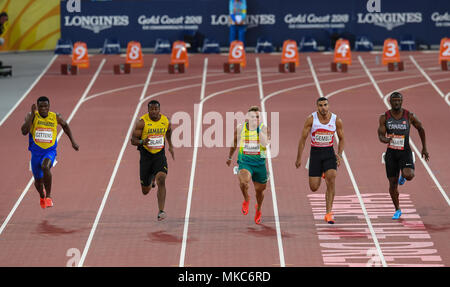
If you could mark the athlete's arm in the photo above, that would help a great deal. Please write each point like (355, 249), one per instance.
(67, 130)
(340, 134)
(418, 125)
(169, 140)
(264, 136)
(137, 133)
(233, 147)
(382, 130)
(301, 145)
(29, 118)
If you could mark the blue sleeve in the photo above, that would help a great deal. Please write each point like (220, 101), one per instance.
(231, 6)
(244, 8)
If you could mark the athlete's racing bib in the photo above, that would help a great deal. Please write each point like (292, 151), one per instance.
(43, 135)
(397, 142)
(251, 147)
(322, 138)
(156, 142)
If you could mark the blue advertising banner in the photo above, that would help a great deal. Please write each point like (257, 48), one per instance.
(92, 21)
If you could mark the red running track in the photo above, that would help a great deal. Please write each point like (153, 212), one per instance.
(216, 233)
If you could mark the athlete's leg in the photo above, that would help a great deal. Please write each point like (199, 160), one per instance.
(393, 191)
(330, 179)
(39, 184)
(161, 194)
(37, 174)
(259, 189)
(241, 33)
(46, 166)
(244, 182)
(408, 173)
(145, 173)
(145, 189)
(314, 183)
(232, 33)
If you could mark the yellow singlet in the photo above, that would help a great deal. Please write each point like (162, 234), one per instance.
(155, 131)
(44, 130)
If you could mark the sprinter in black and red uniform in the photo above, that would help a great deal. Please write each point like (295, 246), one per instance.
(394, 130)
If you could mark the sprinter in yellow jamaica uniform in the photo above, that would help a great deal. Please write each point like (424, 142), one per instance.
(41, 126)
(149, 136)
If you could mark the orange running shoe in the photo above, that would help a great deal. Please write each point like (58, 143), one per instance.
(329, 218)
(48, 202)
(245, 205)
(257, 215)
(42, 202)
(323, 175)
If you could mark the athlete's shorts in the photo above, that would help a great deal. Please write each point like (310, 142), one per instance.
(258, 172)
(36, 162)
(321, 159)
(396, 160)
(150, 164)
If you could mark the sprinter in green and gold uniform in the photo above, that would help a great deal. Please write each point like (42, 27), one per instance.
(253, 138)
(149, 136)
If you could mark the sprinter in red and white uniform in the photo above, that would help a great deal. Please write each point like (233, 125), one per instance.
(321, 126)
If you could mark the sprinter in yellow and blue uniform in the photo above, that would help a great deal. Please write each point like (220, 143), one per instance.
(41, 127)
(149, 136)
(253, 137)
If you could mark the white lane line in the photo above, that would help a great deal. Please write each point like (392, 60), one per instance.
(116, 167)
(30, 182)
(427, 77)
(316, 80)
(419, 155)
(355, 186)
(370, 77)
(28, 91)
(194, 164)
(368, 84)
(269, 162)
(141, 85)
(385, 99)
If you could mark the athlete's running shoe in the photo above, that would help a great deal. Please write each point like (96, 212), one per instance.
(257, 215)
(397, 214)
(401, 180)
(42, 202)
(161, 215)
(48, 202)
(329, 218)
(245, 205)
(323, 175)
